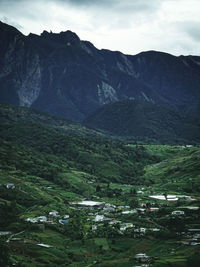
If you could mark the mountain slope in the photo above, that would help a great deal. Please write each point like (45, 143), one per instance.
(12, 115)
(62, 75)
(145, 120)
(43, 148)
(173, 78)
(178, 170)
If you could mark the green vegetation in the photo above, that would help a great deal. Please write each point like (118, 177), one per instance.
(11, 114)
(179, 170)
(50, 168)
(146, 122)
(55, 153)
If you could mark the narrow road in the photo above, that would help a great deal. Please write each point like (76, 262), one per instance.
(14, 235)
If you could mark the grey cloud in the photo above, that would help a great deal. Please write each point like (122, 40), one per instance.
(115, 24)
(114, 14)
(11, 22)
(89, 2)
(121, 5)
(14, 10)
(108, 6)
(191, 28)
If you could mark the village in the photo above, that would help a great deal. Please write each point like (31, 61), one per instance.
(151, 214)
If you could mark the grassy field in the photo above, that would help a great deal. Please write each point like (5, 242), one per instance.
(179, 171)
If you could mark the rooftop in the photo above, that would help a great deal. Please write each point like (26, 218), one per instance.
(89, 203)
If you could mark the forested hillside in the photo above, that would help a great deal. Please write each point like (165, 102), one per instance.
(142, 120)
(104, 158)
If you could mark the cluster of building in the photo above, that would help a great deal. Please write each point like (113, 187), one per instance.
(100, 212)
(52, 217)
(192, 237)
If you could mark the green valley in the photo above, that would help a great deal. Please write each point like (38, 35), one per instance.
(74, 197)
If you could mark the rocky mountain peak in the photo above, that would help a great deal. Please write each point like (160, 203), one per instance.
(67, 37)
(8, 29)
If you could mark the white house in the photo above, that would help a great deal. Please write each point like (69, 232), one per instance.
(140, 230)
(44, 245)
(141, 256)
(54, 213)
(124, 226)
(37, 219)
(41, 218)
(94, 227)
(109, 209)
(140, 192)
(178, 212)
(89, 204)
(155, 229)
(10, 186)
(99, 218)
(4, 233)
(32, 220)
(129, 211)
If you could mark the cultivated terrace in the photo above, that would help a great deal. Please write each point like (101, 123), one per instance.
(72, 200)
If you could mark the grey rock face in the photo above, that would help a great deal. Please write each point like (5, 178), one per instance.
(62, 75)
(106, 93)
(31, 83)
(20, 72)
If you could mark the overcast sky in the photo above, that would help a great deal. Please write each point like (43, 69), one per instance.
(130, 26)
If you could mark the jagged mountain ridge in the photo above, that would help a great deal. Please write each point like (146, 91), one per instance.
(62, 75)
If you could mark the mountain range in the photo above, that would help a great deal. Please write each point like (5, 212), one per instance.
(60, 74)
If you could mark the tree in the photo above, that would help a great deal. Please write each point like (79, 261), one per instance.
(194, 260)
(133, 191)
(8, 213)
(133, 203)
(98, 188)
(75, 228)
(175, 224)
(4, 254)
